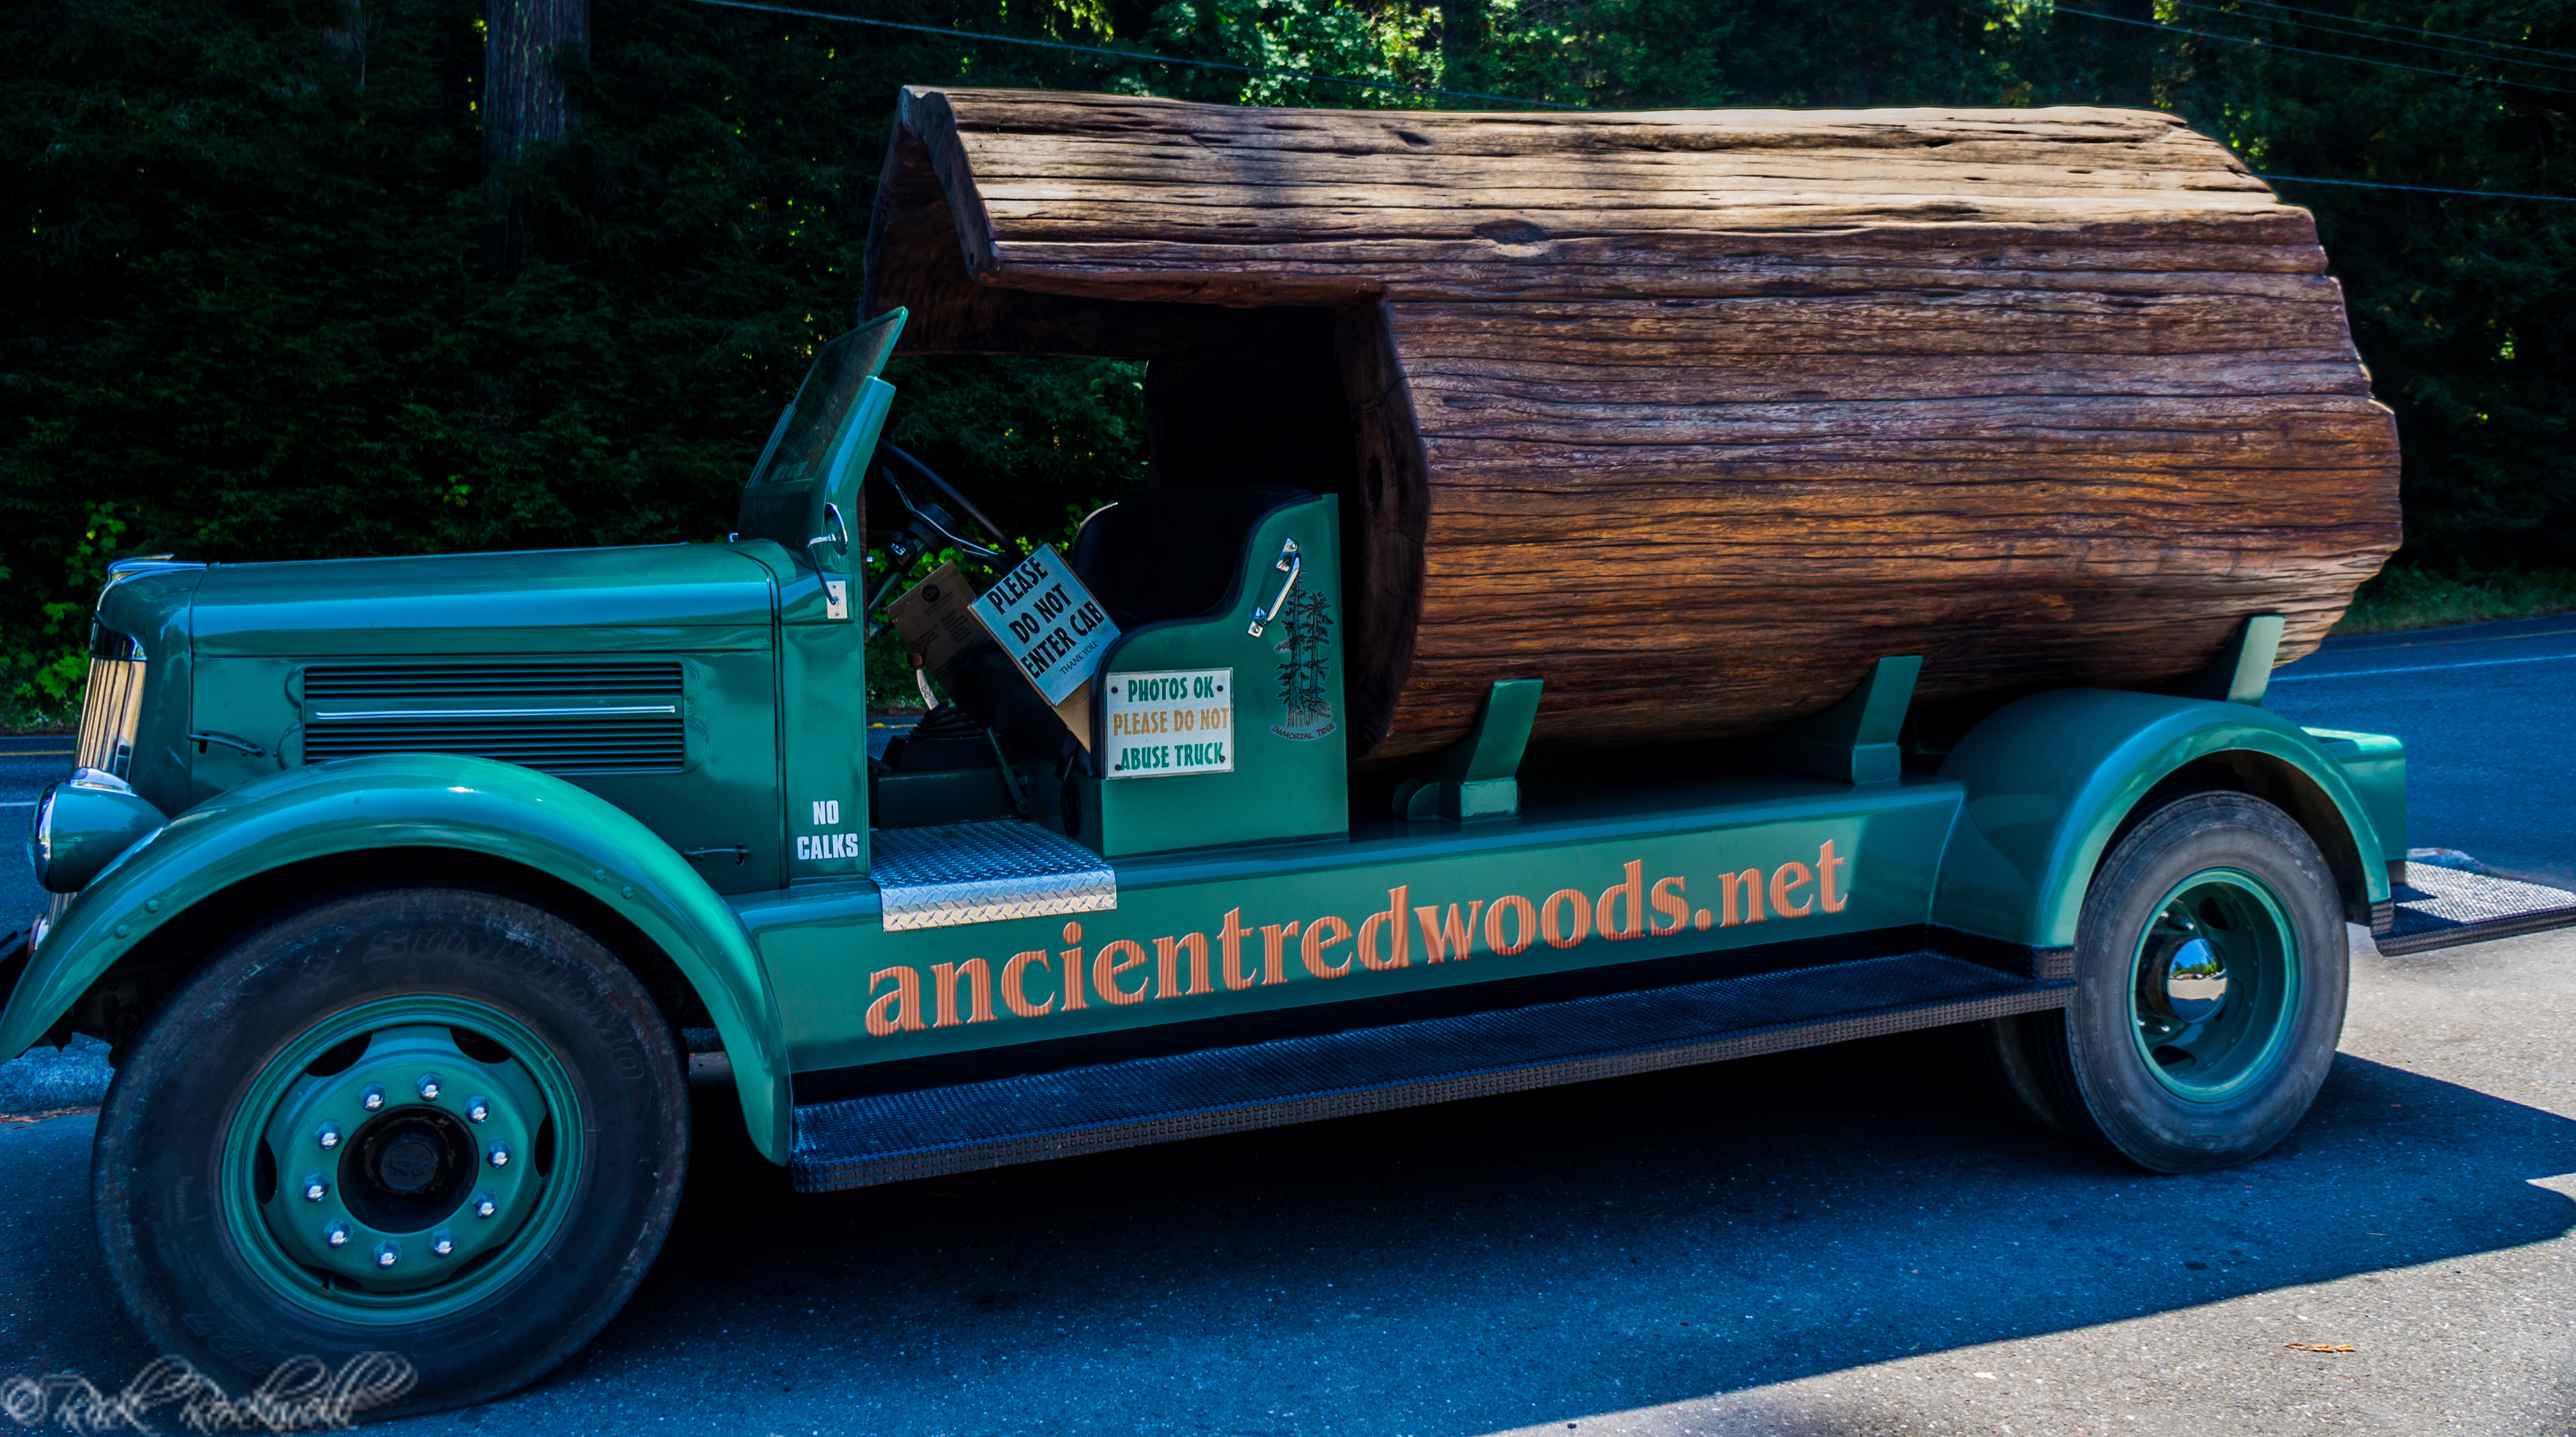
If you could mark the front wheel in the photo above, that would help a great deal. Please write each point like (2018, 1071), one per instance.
(2211, 968)
(436, 1123)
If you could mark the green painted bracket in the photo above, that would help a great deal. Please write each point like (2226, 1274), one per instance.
(476, 805)
(1854, 742)
(1478, 776)
(2243, 668)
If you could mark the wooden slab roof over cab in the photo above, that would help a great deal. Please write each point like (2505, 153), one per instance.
(1693, 414)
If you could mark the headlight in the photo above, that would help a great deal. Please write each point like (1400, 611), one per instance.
(80, 826)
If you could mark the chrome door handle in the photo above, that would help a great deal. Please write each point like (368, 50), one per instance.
(1292, 566)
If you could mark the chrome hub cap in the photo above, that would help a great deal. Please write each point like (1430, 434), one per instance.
(2215, 984)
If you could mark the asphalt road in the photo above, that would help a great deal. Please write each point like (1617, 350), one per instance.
(1840, 1241)
(2484, 710)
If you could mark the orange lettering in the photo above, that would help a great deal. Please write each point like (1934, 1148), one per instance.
(1106, 965)
(1014, 974)
(1582, 904)
(898, 1011)
(1440, 944)
(1670, 905)
(1826, 863)
(1073, 1001)
(1229, 941)
(1524, 926)
(1167, 964)
(1316, 943)
(1751, 878)
(1274, 951)
(1391, 922)
(977, 973)
(1781, 883)
(1634, 890)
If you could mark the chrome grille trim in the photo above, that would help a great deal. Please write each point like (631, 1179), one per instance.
(401, 714)
(111, 711)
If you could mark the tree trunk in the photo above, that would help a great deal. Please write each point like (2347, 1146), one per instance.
(525, 106)
(1695, 415)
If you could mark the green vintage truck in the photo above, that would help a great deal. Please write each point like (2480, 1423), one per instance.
(1388, 748)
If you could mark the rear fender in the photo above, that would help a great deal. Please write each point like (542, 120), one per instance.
(2052, 778)
(479, 806)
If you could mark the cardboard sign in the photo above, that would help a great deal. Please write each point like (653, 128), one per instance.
(1171, 722)
(938, 622)
(1042, 616)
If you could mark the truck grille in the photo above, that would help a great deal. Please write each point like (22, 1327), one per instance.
(561, 718)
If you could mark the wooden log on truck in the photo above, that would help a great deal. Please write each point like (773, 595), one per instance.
(1695, 414)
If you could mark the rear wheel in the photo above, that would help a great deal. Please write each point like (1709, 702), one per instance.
(437, 1123)
(2211, 966)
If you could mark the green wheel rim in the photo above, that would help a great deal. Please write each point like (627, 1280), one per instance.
(2214, 986)
(402, 1160)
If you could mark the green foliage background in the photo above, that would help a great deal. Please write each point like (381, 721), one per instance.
(247, 308)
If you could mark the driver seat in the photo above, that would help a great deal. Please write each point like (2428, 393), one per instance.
(1163, 554)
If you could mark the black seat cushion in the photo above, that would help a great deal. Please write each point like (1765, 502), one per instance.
(1171, 553)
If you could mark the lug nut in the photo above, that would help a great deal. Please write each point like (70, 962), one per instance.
(387, 1254)
(477, 1108)
(499, 1155)
(485, 1205)
(429, 1087)
(315, 1189)
(373, 1098)
(329, 1136)
(443, 1243)
(336, 1233)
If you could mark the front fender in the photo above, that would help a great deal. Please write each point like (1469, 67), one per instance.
(2050, 777)
(416, 801)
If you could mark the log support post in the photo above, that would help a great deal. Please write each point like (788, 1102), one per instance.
(2243, 669)
(1853, 742)
(1479, 776)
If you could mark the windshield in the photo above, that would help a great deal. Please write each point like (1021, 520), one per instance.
(802, 445)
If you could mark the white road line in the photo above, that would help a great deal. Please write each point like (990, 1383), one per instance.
(30, 803)
(2426, 668)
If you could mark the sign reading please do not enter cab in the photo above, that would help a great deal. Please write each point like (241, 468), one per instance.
(1174, 722)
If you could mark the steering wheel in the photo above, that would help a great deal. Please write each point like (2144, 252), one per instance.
(929, 505)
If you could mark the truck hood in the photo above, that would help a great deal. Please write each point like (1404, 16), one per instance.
(545, 600)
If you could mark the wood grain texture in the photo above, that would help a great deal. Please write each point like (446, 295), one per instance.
(1696, 414)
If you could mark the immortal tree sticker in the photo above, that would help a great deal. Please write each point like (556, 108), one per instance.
(1305, 650)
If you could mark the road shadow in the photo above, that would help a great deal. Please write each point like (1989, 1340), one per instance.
(1497, 1263)
(1453, 1269)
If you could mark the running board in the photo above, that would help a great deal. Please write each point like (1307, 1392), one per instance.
(855, 1142)
(2445, 907)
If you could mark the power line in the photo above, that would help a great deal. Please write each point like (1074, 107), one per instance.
(2392, 25)
(2379, 39)
(2288, 49)
(1134, 55)
(2416, 189)
(1515, 100)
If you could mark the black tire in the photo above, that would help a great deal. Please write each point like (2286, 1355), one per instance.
(1996, 1055)
(2097, 1075)
(190, 1273)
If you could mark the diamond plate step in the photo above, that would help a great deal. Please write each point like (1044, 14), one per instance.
(959, 873)
(2444, 907)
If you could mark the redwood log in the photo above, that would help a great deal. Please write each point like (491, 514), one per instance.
(1696, 414)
